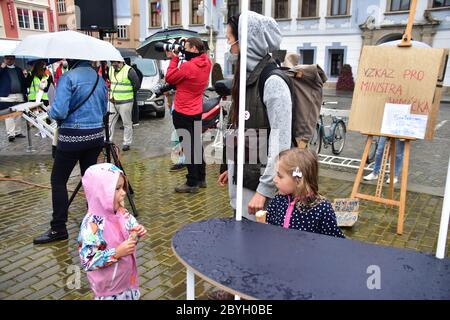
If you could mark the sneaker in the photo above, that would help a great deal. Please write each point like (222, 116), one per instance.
(202, 184)
(371, 176)
(178, 166)
(51, 236)
(19, 135)
(388, 181)
(125, 147)
(11, 138)
(184, 188)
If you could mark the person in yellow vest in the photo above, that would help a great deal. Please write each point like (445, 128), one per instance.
(39, 80)
(124, 83)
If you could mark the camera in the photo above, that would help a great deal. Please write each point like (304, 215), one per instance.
(167, 46)
(160, 89)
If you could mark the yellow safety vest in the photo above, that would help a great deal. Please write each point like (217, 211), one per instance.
(34, 88)
(121, 88)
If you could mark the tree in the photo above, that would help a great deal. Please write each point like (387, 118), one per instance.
(345, 81)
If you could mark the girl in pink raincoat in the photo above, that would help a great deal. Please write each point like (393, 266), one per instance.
(106, 244)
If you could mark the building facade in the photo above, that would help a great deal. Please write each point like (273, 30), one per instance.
(19, 19)
(330, 33)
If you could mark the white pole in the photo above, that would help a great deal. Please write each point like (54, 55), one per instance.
(190, 285)
(242, 91)
(443, 229)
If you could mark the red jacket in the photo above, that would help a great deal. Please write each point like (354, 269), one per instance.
(191, 80)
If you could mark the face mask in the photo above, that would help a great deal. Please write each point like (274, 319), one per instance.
(189, 55)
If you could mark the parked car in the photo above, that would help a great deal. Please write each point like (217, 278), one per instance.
(152, 77)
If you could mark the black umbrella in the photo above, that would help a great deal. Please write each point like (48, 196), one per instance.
(147, 48)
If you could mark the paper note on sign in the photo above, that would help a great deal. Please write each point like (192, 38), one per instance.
(398, 121)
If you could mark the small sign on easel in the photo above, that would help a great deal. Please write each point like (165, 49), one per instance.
(346, 210)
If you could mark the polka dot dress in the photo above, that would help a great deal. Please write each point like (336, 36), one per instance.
(319, 218)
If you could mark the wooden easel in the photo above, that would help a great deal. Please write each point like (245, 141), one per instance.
(389, 146)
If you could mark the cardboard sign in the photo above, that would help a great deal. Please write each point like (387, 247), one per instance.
(346, 211)
(398, 76)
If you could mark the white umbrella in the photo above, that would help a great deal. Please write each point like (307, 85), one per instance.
(7, 46)
(68, 45)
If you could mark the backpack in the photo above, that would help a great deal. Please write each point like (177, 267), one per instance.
(305, 83)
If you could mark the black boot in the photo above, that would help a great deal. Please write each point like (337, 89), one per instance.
(51, 236)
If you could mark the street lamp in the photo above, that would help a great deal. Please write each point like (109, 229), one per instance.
(201, 12)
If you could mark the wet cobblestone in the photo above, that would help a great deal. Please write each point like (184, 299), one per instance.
(41, 272)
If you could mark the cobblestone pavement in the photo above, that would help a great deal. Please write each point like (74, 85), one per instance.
(48, 271)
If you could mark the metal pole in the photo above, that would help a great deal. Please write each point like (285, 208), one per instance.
(190, 285)
(211, 45)
(242, 90)
(443, 229)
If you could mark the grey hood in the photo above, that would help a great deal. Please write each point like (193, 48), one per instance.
(264, 36)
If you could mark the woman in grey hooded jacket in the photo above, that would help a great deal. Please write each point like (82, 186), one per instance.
(264, 37)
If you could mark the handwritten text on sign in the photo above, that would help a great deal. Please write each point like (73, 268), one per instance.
(398, 120)
(383, 81)
(346, 211)
(398, 76)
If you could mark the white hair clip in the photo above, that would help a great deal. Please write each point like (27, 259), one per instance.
(297, 173)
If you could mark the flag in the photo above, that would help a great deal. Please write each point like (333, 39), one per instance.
(158, 7)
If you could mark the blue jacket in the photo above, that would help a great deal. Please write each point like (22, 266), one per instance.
(5, 86)
(73, 87)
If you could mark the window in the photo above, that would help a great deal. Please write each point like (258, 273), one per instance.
(175, 17)
(63, 27)
(24, 18)
(281, 9)
(308, 8)
(336, 61)
(233, 7)
(339, 7)
(155, 16)
(256, 6)
(62, 6)
(38, 20)
(122, 32)
(307, 56)
(399, 5)
(441, 3)
(195, 18)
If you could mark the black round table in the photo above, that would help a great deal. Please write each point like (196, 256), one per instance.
(259, 261)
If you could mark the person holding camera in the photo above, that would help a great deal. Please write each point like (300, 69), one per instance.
(191, 79)
(79, 107)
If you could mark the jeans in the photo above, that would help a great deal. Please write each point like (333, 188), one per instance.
(399, 148)
(192, 147)
(62, 168)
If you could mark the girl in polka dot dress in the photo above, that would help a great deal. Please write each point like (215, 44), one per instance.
(298, 204)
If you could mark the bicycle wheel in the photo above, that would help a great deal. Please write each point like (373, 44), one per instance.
(339, 134)
(372, 150)
(315, 143)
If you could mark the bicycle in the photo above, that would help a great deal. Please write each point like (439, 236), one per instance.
(336, 134)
